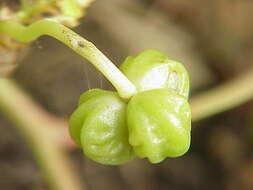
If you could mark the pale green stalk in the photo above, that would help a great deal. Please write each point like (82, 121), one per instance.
(39, 128)
(224, 97)
(81, 46)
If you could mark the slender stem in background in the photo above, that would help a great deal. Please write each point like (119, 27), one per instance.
(41, 131)
(224, 97)
(81, 46)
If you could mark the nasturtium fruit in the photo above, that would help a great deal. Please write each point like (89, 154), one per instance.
(154, 123)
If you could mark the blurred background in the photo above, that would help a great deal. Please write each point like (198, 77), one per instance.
(212, 38)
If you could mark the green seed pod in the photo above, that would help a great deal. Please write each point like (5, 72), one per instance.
(99, 127)
(154, 124)
(159, 124)
(152, 69)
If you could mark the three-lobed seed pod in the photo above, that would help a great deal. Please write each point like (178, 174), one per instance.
(155, 123)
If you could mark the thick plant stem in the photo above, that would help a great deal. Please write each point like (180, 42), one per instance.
(39, 129)
(224, 97)
(81, 46)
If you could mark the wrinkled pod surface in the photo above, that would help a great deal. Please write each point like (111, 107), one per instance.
(155, 123)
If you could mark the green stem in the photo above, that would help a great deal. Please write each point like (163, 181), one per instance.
(81, 46)
(224, 97)
(41, 131)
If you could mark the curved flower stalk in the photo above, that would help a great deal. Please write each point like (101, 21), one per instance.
(80, 45)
